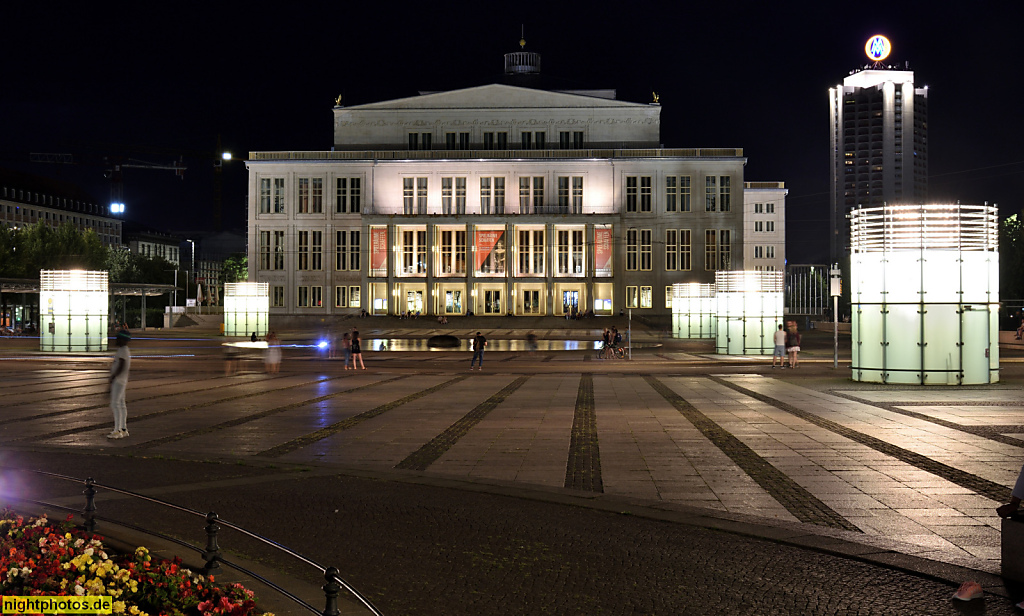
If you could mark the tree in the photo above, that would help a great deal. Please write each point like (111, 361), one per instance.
(40, 246)
(1011, 262)
(236, 268)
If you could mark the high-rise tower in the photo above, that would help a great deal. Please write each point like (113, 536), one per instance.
(879, 126)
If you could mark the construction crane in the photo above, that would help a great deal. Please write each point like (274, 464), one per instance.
(114, 170)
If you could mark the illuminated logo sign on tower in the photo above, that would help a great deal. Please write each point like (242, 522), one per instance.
(878, 48)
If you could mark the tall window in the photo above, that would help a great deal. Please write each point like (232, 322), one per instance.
(677, 193)
(265, 195)
(570, 201)
(303, 250)
(346, 246)
(631, 193)
(563, 139)
(570, 251)
(414, 252)
(316, 297)
(710, 250)
(531, 251)
(277, 297)
(710, 194)
(278, 250)
(449, 141)
(496, 141)
(577, 139)
(724, 249)
(463, 141)
(302, 297)
(758, 252)
(348, 195)
(346, 297)
(631, 297)
(316, 253)
(563, 195)
(420, 141)
(453, 252)
(645, 193)
(758, 226)
(671, 250)
(311, 196)
(531, 192)
(264, 250)
(645, 249)
(414, 195)
(577, 195)
(646, 297)
(725, 193)
(488, 141)
(684, 250)
(458, 205)
(638, 193)
(632, 244)
(492, 195)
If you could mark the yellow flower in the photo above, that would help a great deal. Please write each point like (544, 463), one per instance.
(118, 607)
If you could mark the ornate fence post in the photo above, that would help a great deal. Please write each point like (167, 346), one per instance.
(331, 590)
(89, 514)
(212, 552)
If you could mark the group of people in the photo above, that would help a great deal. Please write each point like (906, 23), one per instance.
(351, 346)
(787, 345)
(612, 340)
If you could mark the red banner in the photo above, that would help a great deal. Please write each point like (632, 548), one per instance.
(378, 251)
(485, 242)
(603, 251)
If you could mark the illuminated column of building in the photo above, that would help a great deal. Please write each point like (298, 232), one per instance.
(693, 310)
(925, 294)
(73, 310)
(748, 310)
(246, 308)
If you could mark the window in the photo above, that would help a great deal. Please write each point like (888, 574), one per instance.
(645, 250)
(532, 140)
(710, 193)
(577, 195)
(302, 297)
(769, 226)
(492, 195)
(724, 249)
(645, 193)
(646, 297)
(272, 195)
(770, 252)
(758, 208)
(316, 254)
(725, 193)
(677, 193)
(278, 297)
(453, 252)
(563, 139)
(316, 297)
(264, 195)
(347, 196)
(311, 195)
(303, 250)
(758, 226)
(531, 251)
(631, 249)
(758, 252)
(264, 250)
(631, 193)
(631, 298)
(710, 250)
(463, 141)
(414, 195)
(414, 252)
(527, 140)
(346, 297)
(528, 195)
(488, 141)
(278, 250)
(502, 140)
(769, 208)
(671, 250)
(460, 195)
(449, 141)
(346, 246)
(668, 297)
(492, 302)
(570, 251)
(577, 139)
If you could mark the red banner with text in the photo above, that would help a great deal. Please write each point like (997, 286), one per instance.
(603, 251)
(379, 251)
(485, 242)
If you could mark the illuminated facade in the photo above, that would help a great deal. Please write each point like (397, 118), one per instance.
(493, 200)
(27, 199)
(879, 154)
(764, 226)
(73, 306)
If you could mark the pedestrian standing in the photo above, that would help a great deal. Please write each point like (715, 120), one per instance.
(780, 347)
(793, 339)
(118, 385)
(479, 342)
(346, 348)
(357, 350)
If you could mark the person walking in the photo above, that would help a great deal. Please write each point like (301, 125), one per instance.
(780, 347)
(606, 347)
(479, 342)
(346, 348)
(118, 385)
(793, 339)
(357, 350)
(273, 358)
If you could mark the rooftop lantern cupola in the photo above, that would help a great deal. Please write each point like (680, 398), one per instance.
(522, 62)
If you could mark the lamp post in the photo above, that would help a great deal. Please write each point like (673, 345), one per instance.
(836, 289)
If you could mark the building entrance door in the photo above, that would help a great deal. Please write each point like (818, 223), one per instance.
(414, 302)
(492, 302)
(570, 302)
(531, 302)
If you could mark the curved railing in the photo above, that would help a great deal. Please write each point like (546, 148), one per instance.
(211, 554)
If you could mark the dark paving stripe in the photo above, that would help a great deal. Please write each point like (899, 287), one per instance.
(588, 357)
(583, 470)
(510, 358)
(136, 418)
(980, 485)
(260, 415)
(548, 358)
(802, 504)
(131, 401)
(426, 455)
(993, 433)
(351, 422)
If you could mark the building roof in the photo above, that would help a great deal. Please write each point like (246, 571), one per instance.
(498, 96)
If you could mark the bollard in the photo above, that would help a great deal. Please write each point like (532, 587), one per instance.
(331, 590)
(212, 553)
(89, 514)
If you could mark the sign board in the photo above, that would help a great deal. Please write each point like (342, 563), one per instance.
(190, 303)
(878, 48)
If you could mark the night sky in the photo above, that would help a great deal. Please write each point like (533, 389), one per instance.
(155, 81)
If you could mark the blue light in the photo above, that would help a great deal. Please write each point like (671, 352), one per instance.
(117, 208)
(322, 344)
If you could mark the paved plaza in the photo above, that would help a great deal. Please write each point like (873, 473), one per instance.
(897, 470)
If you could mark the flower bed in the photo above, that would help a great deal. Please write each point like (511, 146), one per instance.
(43, 558)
